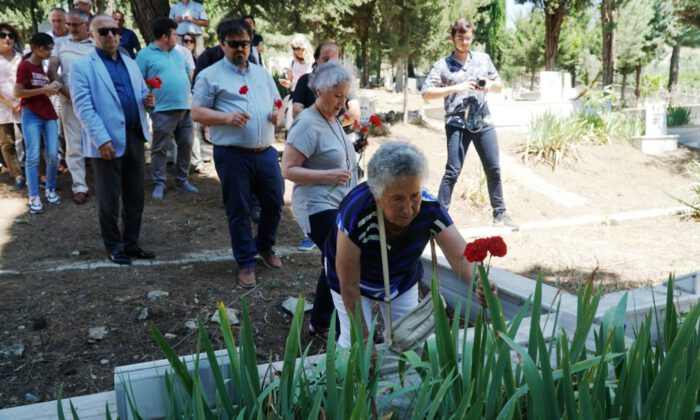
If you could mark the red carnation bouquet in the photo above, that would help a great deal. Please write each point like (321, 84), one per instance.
(152, 84)
(362, 130)
(476, 252)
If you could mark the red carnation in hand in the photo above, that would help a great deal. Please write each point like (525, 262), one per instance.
(278, 102)
(154, 83)
(375, 120)
(243, 90)
(364, 129)
(476, 251)
(497, 247)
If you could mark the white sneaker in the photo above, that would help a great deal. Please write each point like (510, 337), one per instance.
(52, 197)
(35, 206)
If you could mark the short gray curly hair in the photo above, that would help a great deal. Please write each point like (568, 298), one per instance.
(328, 75)
(393, 161)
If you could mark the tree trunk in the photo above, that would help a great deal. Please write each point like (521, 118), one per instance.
(32, 12)
(533, 75)
(379, 65)
(673, 73)
(146, 13)
(399, 75)
(608, 22)
(638, 81)
(405, 94)
(364, 51)
(624, 87)
(553, 22)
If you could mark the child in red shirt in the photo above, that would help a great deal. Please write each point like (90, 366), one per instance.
(38, 117)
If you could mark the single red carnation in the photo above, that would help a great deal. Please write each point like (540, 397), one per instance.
(476, 251)
(154, 83)
(375, 120)
(243, 90)
(356, 125)
(278, 104)
(364, 129)
(497, 247)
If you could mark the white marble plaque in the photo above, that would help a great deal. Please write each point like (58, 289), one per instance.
(366, 109)
(550, 86)
(655, 118)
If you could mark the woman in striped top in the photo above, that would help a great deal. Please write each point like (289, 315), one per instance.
(352, 258)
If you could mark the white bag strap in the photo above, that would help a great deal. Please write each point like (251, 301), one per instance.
(433, 257)
(385, 272)
(385, 269)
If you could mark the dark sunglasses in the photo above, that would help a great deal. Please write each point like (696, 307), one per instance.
(237, 44)
(105, 31)
(297, 48)
(188, 41)
(4, 35)
(75, 24)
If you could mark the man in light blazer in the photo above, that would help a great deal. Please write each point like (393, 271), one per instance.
(109, 95)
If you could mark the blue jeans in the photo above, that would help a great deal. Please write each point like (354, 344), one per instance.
(33, 127)
(486, 145)
(243, 173)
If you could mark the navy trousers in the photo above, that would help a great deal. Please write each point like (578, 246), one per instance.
(486, 145)
(242, 173)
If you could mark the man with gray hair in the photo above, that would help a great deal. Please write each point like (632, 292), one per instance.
(59, 29)
(64, 54)
(236, 99)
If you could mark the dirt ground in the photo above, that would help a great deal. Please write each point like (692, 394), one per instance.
(50, 313)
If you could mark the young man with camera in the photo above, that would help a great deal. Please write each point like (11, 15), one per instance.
(463, 78)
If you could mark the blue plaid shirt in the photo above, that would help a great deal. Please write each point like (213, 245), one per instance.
(464, 109)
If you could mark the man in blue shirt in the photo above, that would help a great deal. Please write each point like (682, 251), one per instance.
(127, 39)
(236, 100)
(109, 95)
(191, 18)
(172, 114)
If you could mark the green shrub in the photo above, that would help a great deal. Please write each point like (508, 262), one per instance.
(550, 138)
(677, 116)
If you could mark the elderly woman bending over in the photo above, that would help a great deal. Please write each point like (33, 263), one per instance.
(395, 177)
(320, 159)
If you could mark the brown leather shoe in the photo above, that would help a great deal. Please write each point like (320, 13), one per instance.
(246, 278)
(270, 259)
(79, 198)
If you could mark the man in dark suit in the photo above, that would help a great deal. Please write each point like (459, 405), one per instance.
(109, 95)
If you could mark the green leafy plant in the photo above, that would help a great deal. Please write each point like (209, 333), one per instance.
(597, 372)
(549, 139)
(677, 116)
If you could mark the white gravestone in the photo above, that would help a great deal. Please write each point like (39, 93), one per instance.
(366, 109)
(550, 86)
(655, 117)
(655, 139)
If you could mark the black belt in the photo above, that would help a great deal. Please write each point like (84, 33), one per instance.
(250, 149)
